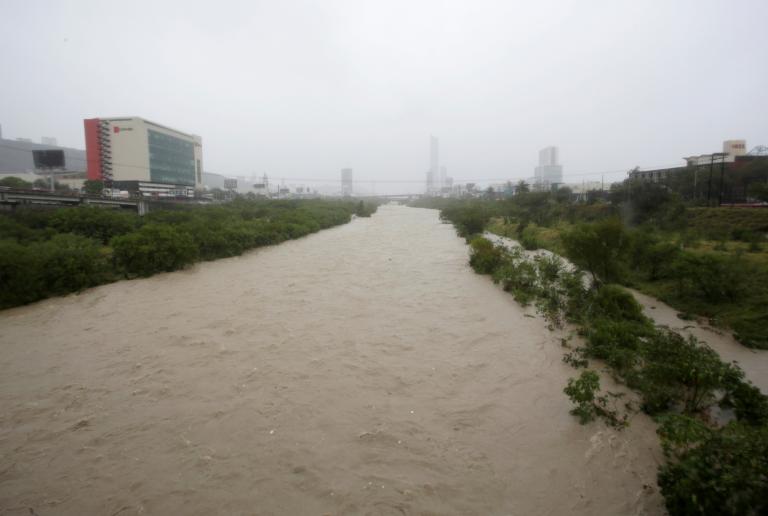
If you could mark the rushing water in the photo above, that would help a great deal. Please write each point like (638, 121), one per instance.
(361, 370)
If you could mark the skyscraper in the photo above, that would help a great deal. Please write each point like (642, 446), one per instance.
(346, 182)
(548, 156)
(549, 172)
(434, 182)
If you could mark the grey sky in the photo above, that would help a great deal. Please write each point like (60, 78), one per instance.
(300, 89)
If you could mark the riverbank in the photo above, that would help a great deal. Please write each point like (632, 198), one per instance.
(710, 263)
(54, 252)
(713, 422)
(754, 362)
(360, 370)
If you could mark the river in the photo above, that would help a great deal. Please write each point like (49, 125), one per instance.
(365, 369)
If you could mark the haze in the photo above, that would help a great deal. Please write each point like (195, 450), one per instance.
(299, 90)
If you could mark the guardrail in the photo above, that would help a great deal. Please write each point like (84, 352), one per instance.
(18, 197)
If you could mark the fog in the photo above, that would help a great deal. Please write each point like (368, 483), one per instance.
(300, 89)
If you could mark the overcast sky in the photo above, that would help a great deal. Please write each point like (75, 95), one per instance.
(300, 89)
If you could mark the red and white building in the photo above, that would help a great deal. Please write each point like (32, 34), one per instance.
(137, 155)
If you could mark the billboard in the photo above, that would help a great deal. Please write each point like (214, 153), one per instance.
(48, 159)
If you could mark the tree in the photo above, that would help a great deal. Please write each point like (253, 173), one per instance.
(759, 191)
(93, 186)
(716, 472)
(154, 248)
(15, 182)
(42, 184)
(522, 187)
(599, 248)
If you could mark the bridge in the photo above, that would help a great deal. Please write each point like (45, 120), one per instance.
(13, 197)
(395, 197)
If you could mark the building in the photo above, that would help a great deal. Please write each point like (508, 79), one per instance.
(731, 150)
(734, 155)
(16, 156)
(434, 182)
(140, 156)
(346, 182)
(48, 140)
(549, 172)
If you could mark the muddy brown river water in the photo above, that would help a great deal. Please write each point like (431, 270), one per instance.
(361, 370)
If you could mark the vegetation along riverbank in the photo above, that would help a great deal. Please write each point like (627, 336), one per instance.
(705, 262)
(713, 423)
(46, 253)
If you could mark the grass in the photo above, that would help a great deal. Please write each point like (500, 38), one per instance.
(746, 316)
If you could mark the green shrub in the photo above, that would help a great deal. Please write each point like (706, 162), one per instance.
(652, 255)
(724, 473)
(528, 239)
(680, 370)
(583, 392)
(99, 223)
(485, 257)
(600, 248)
(617, 342)
(154, 248)
(468, 219)
(749, 404)
(66, 263)
(750, 328)
(21, 279)
(710, 277)
(518, 276)
(70, 263)
(614, 302)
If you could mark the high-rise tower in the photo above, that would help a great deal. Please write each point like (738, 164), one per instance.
(346, 182)
(549, 173)
(434, 182)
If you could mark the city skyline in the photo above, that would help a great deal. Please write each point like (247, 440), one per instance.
(347, 82)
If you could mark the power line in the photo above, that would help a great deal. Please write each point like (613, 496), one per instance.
(413, 181)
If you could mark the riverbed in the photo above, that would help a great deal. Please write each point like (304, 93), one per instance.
(365, 369)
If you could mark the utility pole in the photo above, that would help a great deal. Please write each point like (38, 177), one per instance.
(720, 191)
(709, 187)
(695, 181)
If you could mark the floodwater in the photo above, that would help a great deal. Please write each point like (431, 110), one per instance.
(361, 370)
(754, 362)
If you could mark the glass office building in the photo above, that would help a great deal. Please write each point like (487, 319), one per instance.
(145, 157)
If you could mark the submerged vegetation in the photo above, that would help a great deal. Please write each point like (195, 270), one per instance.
(49, 253)
(713, 423)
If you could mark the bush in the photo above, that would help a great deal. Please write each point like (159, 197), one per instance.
(589, 405)
(599, 248)
(680, 369)
(750, 328)
(99, 223)
(528, 238)
(364, 209)
(485, 257)
(469, 220)
(21, 278)
(616, 342)
(70, 263)
(582, 392)
(614, 302)
(154, 248)
(749, 404)
(518, 276)
(716, 472)
(66, 263)
(652, 255)
(709, 277)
